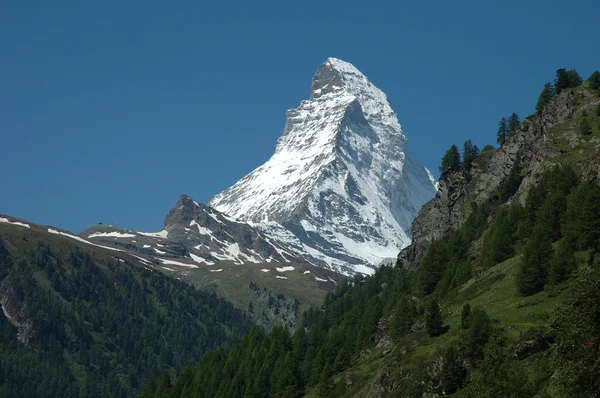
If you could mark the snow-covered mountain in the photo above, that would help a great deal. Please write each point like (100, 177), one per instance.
(339, 191)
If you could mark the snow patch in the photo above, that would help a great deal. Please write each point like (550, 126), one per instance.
(284, 269)
(159, 251)
(160, 234)
(306, 272)
(172, 262)
(5, 220)
(216, 270)
(55, 232)
(280, 277)
(319, 279)
(114, 234)
(265, 270)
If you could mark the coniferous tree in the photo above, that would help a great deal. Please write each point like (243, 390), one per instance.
(465, 316)
(581, 226)
(513, 122)
(545, 96)
(533, 270)
(566, 79)
(487, 147)
(453, 373)
(433, 319)
(470, 152)
(479, 332)
(498, 375)
(404, 317)
(595, 80)
(502, 131)
(563, 262)
(451, 160)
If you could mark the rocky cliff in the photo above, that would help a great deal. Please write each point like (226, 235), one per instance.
(540, 142)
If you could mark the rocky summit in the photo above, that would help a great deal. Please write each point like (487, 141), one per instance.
(339, 191)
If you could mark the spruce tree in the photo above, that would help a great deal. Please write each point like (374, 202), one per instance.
(513, 122)
(502, 131)
(533, 270)
(404, 317)
(545, 97)
(453, 374)
(465, 316)
(562, 264)
(451, 160)
(480, 329)
(595, 80)
(470, 152)
(433, 319)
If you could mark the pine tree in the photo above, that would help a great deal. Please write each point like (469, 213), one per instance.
(502, 131)
(595, 80)
(498, 375)
(404, 317)
(545, 96)
(562, 264)
(470, 152)
(533, 270)
(566, 79)
(453, 374)
(433, 319)
(480, 329)
(451, 160)
(513, 122)
(465, 316)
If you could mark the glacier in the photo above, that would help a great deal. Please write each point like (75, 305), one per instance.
(339, 191)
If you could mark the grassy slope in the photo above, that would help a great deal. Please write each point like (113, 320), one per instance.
(232, 282)
(494, 291)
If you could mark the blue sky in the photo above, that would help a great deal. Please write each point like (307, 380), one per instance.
(109, 111)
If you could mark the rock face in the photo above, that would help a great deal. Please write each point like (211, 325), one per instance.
(541, 142)
(15, 310)
(339, 191)
(195, 234)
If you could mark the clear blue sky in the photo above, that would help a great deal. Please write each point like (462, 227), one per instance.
(109, 112)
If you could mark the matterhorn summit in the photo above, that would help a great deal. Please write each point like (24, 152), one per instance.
(339, 191)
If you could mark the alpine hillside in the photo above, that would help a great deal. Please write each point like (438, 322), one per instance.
(339, 191)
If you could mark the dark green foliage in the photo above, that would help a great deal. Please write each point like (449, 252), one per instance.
(465, 315)
(404, 317)
(498, 375)
(433, 319)
(433, 265)
(594, 80)
(513, 122)
(566, 79)
(512, 182)
(450, 161)
(582, 217)
(116, 324)
(453, 373)
(502, 131)
(284, 366)
(545, 96)
(478, 334)
(577, 348)
(487, 147)
(470, 152)
(562, 264)
(500, 240)
(533, 270)
(584, 126)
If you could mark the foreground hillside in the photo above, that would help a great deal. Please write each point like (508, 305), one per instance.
(84, 321)
(503, 300)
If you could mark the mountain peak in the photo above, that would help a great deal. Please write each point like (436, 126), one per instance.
(333, 75)
(339, 185)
